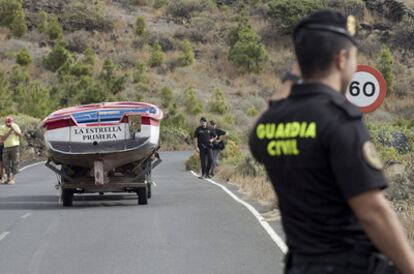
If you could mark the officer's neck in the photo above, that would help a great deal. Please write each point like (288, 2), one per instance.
(332, 80)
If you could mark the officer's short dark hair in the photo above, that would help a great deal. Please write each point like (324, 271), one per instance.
(316, 50)
(319, 37)
(212, 123)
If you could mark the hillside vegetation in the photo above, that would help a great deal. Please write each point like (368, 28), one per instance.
(221, 59)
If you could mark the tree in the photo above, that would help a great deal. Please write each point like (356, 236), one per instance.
(247, 52)
(91, 91)
(19, 76)
(187, 57)
(56, 58)
(284, 14)
(166, 97)
(385, 62)
(140, 26)
(33, 100)
(18, 26)
(108, 74)
(8, 11)
(43, 22)
(191, 103)
(5, 96)
(89, 56)
(54, 29)
(157, 56)
(24, 58)
(140, 73)
(219, 103)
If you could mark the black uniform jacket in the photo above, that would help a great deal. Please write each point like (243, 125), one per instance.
(204, 136)
(317, 154)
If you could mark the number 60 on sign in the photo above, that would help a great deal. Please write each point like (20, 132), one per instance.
(367, 89)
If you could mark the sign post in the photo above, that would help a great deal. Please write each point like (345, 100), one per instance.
(367, 89)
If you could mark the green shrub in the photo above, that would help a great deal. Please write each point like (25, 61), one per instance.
(166, 97)
(385, 63)
(56, 58)
(113, 82)
(43, 23)
(92, 91)
(285, 14)
(187, 56)
(87, 15)
(193, 163)
(140, 73)
(18, 26)
(186, 8)
(348, 7)
(247, 52)
(24, 58)
(160, 3)
(175, 132)
(218, 103)
(18, 76)
(54, 30)
(9, 10)
(12, 16)
(157, 56)
(232, 152)
(140, 2)
(5, 96)
(140, 26)
(33, 100)
(89, 57)
(191, 103)
(252, 111)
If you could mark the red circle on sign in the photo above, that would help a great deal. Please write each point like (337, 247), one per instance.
(382, 91)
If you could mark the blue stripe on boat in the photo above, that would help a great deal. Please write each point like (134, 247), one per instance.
(107, 115)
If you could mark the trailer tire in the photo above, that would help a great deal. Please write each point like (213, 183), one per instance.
(142, 195)
(67, 197)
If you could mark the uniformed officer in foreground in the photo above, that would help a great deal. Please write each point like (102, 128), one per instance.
(323, 166)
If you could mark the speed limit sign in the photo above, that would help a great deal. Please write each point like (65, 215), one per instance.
(367, 89)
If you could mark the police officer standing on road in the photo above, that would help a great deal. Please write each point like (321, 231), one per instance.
(218, 144)
(203, 143)
(319, 158)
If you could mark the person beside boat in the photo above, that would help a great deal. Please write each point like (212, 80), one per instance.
(218, 144)
(203, 144)
(10, 134)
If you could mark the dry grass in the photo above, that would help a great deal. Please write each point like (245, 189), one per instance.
(256, 188)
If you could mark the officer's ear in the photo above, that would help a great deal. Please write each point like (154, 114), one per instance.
(341, 59)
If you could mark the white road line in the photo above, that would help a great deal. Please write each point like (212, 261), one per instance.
(26, 215)
(3, 235)
(32, 165)
(273, 235)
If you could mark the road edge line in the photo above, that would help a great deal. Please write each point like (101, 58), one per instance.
(32, 165)
(267, 227)
(4, 234)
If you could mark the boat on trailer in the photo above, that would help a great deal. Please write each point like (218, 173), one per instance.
(104, 147)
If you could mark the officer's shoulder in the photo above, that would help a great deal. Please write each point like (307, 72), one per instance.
(341, 106)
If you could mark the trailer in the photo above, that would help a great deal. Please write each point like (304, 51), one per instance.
(105, 147)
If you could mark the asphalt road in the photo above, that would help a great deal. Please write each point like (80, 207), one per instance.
(189, 226)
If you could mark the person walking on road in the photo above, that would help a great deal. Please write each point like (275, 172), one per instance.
(10, 134)
(324, 168)
(218, 144)
(203, 143)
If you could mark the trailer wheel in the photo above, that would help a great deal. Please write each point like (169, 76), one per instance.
(142, 195)
(67, 197)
